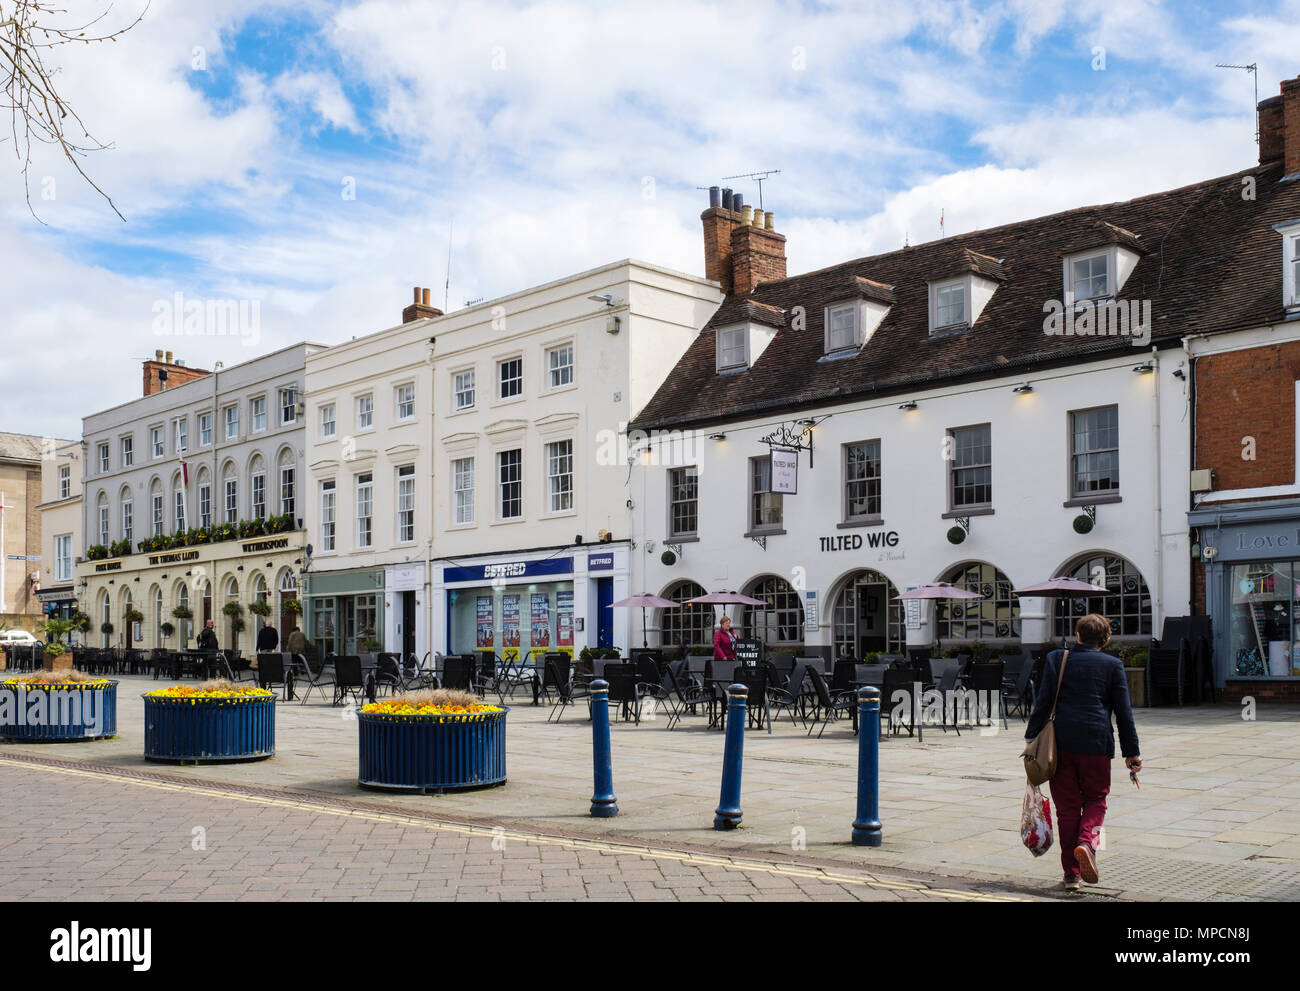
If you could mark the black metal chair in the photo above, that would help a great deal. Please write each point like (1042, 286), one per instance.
(757, 710)
(348, 678)
(1165, 673)
(829, 706)
(388, 673)
(458, 672)
(1015, 689)
(792, 698)
(302, 674)
(568, 690)
(985, 680)
(689, 695)
(897, 695)
(271, 671)
(623, 689)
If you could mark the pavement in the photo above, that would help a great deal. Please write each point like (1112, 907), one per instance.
(1217, 817)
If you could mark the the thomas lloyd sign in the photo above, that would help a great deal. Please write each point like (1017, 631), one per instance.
(173, 558)
(856, 541)
(257, 546)
(109, 566)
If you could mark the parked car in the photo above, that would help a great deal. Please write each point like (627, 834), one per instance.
(17, 637)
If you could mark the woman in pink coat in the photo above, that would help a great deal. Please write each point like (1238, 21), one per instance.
(724, 642)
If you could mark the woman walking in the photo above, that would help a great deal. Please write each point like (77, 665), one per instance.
(724, 641)
(1093, 689)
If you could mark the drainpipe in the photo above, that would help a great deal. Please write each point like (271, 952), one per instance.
(1157, 611)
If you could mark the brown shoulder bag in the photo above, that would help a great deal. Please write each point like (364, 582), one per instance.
(1040, 753)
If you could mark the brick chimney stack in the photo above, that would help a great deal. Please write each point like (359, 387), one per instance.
(164, 373)
(1279, 128)
(420, 308)
(741, 246)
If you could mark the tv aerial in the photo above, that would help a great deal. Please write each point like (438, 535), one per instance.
(758, 177)
(1253, 69)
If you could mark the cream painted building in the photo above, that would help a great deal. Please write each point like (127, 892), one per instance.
(61, 542)
(469, 472)
(192, 498)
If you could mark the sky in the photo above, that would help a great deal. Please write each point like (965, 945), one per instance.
(313, 160)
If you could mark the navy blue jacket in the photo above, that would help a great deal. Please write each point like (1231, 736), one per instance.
(1094, 687)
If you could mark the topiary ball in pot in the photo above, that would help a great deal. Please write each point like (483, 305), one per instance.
(668, 558)
(956, 534)
(1083, 523)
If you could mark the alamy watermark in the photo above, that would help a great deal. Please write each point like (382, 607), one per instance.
(1099, 318)
(53, 707)
(181, 317)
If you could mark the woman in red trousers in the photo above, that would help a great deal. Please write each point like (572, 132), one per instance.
(724, 641)
(1093, 689)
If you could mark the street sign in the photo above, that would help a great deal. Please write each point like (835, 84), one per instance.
(785, 471)
(24, 557)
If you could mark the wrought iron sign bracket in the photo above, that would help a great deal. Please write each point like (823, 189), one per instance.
(675, 548)
(795, 436)
(761, 541)
(964, 523)
(1091, 513)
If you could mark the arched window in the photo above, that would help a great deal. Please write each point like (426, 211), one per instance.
(128, 516)
(203, 486)
(257, 488)
(866, 618)
(996, 616)
(287, 482)
(101, 512)
(1127, 602)
(687, 626)
(179, 515)
(780, 620)
(229, 494)
(156, 508)
(158, 616)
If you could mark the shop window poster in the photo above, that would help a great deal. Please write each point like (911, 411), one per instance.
(564, 618)
(510, 606)
(484, 621)
(541, 619)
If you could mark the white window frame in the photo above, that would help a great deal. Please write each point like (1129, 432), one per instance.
(847, 482)
(328, 525)
(256, 485)
(128, 521)
(232, 500)
(689, 471)
(157, 443)
(158, 522)
(1290, 264)
(254, 415)
(65, 481)
(205, 505)
(462, 470)
(103, 458)
(519, 394)
(458, 390)
(103, 524)
(178, 508)
(127, 449)
(855, 329)
(365, 503)
(559, 495)
(405, 504)
(365, 407)
(941, 287)
(328, 423)
(230, 422)
(723, 351)
(754, 525)
(288, 489)
(1112, 274)
(63, 557)
(181, 432)
(565, 369)
(288, 405)
(205, 429)
(398, 402)
(501, 483)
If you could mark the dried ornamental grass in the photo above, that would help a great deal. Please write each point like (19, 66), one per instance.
(432, 702)
(217, 690)
(72, 680)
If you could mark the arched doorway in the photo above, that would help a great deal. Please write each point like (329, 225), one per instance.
(105, 619)
(687, 626)
(1127, 602)
(207, 604)
(865, 617)
(158, 616)
(994, 617)
(184, 627)
(231, 594)
(779, 622)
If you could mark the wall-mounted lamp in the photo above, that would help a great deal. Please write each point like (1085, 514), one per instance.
(1146, 368)
(1180, 374)
(909, 405)
(240, 568)
(717, 436)
(808, 423)
(1023, 390)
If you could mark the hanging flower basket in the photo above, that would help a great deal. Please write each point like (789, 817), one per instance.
(61, 707)
(431, 741)
(215, 722)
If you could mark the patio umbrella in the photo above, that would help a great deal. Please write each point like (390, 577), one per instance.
(1060, 588)
(938, 590)
(723, 598)
(644, 601)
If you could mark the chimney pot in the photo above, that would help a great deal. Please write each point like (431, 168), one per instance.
(726, 199)
(424, 296)
(157, 355)
(715, 197)
(747, 215)
(416, 298)
(769, 222)
(737, 202)
(169, 357)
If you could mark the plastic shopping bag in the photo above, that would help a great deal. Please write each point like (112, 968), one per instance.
(1036, 821)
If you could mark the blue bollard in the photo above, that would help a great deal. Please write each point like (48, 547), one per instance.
(728, 811)
(866, 828)
(603, 803)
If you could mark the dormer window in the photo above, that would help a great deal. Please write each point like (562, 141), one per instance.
(1089, 276)
(1290, 263)
(1294, 240)
(948, 309)
(732, 348)
(841, 328)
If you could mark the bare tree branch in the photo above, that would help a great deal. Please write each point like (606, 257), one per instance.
(29, 31)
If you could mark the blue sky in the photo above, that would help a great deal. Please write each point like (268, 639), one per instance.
(558, 136)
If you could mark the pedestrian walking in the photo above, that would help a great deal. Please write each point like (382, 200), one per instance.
(267, 639)
(296, 642)
(1093, 689)
(207, 637)
(724, 641)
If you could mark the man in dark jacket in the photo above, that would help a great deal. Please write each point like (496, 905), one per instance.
(207, 637)
(267, 639)
(1093, 688)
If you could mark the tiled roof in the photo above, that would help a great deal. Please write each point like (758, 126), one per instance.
(1210, 262)
(743, 309)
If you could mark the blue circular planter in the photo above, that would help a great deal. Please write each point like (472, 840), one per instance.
(432, 753)
(60, 714)
(209, 731)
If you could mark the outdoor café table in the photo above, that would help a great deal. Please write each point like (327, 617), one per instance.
(194, 662)
(518, 672)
